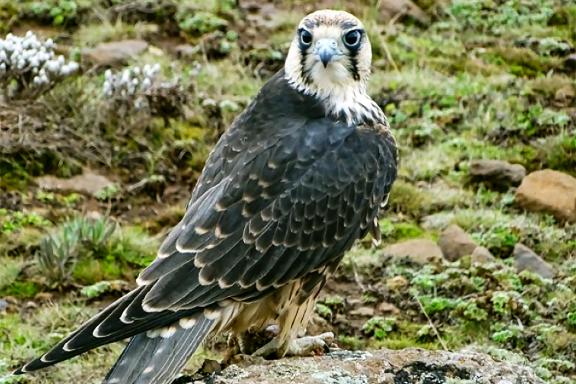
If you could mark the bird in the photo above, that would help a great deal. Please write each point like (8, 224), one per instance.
(300, 175)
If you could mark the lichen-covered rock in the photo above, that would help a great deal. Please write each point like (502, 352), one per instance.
(496, 174)
(527, 260)
(383, 366)
(549, 191)
(419, 251)
(455, 243)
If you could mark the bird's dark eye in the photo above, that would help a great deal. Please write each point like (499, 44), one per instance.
(305, 37)
(352, 38)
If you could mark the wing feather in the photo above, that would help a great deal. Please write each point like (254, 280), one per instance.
(296, 206)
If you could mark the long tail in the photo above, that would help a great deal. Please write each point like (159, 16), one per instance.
(122, 319)
(156, 357)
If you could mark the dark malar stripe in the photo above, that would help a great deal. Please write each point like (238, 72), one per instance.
(305, 74)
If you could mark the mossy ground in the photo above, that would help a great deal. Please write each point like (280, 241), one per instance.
(471, 80)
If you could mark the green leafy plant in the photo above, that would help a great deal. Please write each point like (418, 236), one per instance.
(12, 221)
(379, 327)
(199, 22)
(59, 12)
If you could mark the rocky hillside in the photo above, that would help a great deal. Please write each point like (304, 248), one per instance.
(108, 109)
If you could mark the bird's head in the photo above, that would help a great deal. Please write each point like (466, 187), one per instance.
(330, 58)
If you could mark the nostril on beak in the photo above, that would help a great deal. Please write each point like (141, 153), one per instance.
(325, 49)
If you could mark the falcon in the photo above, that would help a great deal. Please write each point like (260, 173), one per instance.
(301, 174)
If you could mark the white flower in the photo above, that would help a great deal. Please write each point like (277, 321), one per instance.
(52, 66)
(25, 57)
(146, 83)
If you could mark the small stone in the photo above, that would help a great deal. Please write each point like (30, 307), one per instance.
(88, 183)
(185, 51)
(549, 191)
(396, 283)
(481, 255)
(455, 243)
(116, 52)
(211, 366)
(527, 260)
(364, 311)
(3, 305)
(496, 174)
(388, 308)
(43, 296)
(419, 251)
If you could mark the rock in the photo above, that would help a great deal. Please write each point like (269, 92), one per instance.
(383, 366)
(388, 308)
(88, 183)
(116, 52)
(391, 9)
(419, 251)
(570, 62)
(527, 260)
(496, 174)
(549, 191)
(186, 51)
(363, 311)
(481, 255)
(396, 283)
(455, 243)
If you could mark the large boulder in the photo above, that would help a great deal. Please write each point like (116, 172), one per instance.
(384, 366)
(549, 191)
(496, 174)
(419, 251)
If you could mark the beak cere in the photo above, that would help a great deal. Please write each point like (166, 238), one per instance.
(325, 49)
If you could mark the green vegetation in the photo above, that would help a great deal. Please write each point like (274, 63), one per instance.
(459, 303)
(473, 80)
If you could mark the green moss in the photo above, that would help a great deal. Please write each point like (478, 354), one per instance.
(21, 289)
(522, 61)
(392, 232)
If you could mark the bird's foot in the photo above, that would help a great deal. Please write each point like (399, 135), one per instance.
(303, 346)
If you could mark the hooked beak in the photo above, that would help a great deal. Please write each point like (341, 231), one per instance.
(325, 49)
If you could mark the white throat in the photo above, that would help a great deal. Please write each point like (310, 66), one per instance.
(342, 96)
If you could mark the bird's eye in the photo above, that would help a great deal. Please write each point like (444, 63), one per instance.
(352, 38)
(305, 37)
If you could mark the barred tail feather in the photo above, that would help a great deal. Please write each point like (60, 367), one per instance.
(157, 356)
(106, 327)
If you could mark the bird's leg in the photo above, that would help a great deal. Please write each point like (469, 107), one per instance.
(302, 346)
(292, 324)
